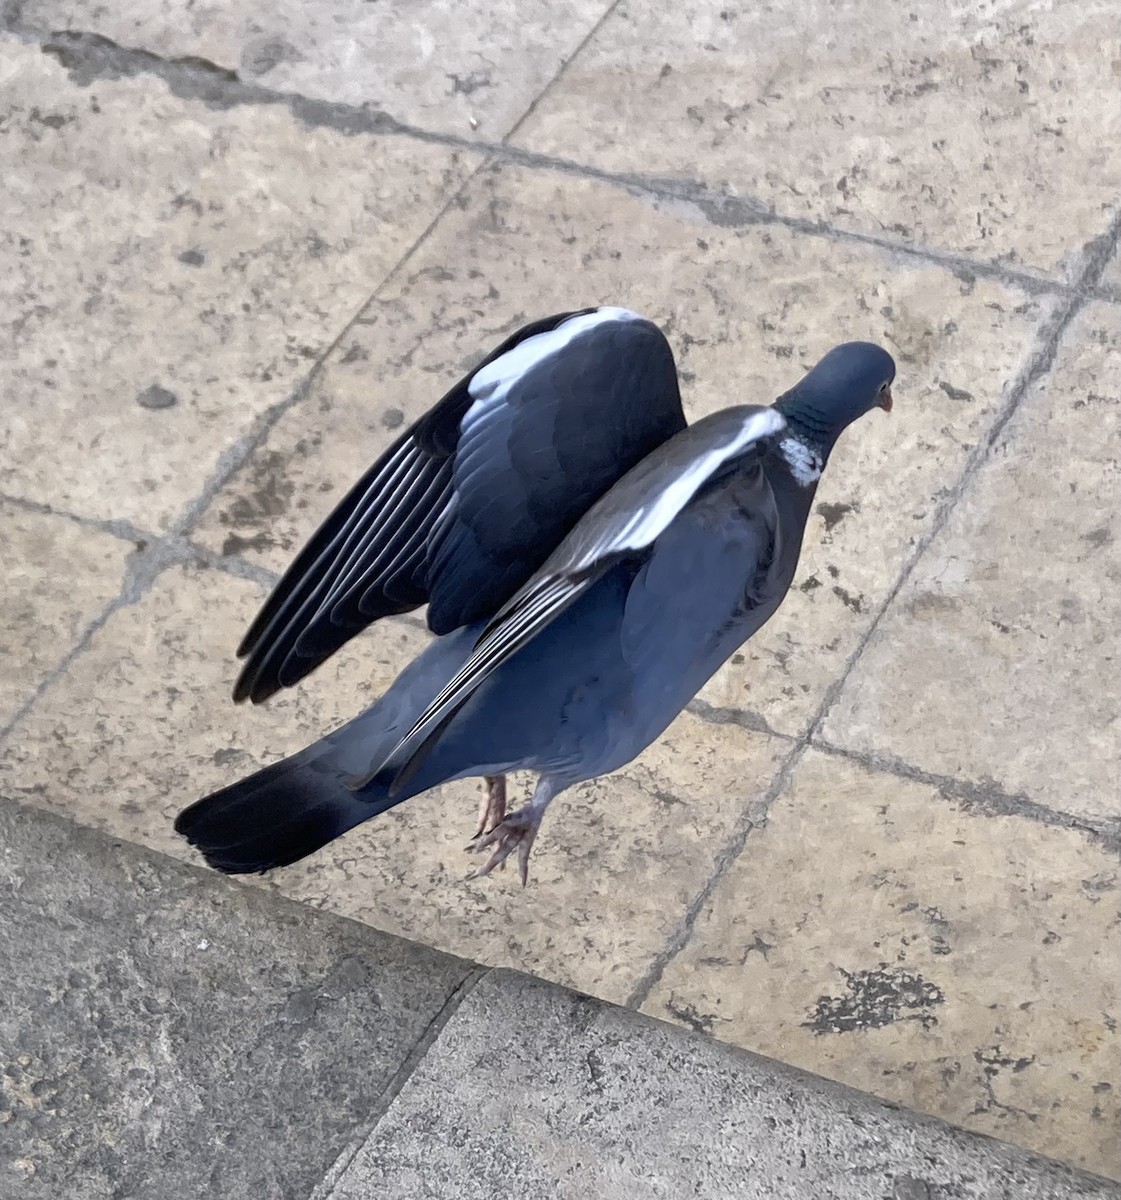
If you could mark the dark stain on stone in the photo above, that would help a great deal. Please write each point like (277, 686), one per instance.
(810, 585)
(228, 757)
(1098, 537)
(50, 120)
(355, 353)
(393, 418)
(953, 392)
(268, 492)
(856, 603)
(834, 514)
(993, 1060)
(472, 82)
(156, 397)
(874, 999)
(235, 543)
(698, 1021)
(193, 258)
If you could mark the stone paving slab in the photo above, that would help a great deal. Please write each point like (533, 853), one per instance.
(945, 128)
(142, 725)
(468, 69)
(166, 1033)
(747, 310)
(169, 1033)
(588, 1102)
(1017, 604)
(170, 271)
(950, 961)
(39, 620)
(197, 244)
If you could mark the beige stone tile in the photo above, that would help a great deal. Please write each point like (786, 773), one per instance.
(965, 966)
(746, 310)
(1015, 608)
(171, 270)
(142, 724)
(987, 130)
(464, 68)
(57, 577)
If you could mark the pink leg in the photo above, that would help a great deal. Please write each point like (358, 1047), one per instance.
(492, 810)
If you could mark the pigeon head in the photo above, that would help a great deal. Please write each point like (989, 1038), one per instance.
(849, 381)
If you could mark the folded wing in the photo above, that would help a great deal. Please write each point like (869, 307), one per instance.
(626, 522)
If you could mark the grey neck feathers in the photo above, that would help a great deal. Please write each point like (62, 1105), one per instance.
(807, 423)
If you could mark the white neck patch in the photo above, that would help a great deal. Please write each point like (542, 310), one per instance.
(804, 462)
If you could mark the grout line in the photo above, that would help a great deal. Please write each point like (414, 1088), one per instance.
(237, 456)
(148, 564)
(565, 63)
(330, 1181)
(90, 56)
(743, 717)
(141, 571)
(122, 529)
(754, 816)
(1038, 363)
(229, 564)
(987, 798)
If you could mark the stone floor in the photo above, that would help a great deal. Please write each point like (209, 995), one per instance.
(241, 246)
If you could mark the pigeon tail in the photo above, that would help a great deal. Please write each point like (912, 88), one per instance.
(281, 814)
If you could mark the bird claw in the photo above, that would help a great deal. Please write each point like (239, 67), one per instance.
(492, 809)
(515, 832)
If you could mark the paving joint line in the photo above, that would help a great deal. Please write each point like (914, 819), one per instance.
(1036, 366)
(471, 980)
(753, 816)
(91, 56)
(175, 547)
(119, 528)
(987, 797)
(565, 63)
(1039, 361)
(144, 568)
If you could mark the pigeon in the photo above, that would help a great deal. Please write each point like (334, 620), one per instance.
(588, 559)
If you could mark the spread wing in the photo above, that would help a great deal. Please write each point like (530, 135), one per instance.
(470, 500)
(626, 522)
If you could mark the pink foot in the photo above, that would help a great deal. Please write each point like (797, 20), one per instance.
(515, 832)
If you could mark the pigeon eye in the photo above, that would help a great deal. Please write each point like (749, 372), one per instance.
(883, 388)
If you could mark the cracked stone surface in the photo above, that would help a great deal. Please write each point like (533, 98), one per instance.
(1017, 604)
(853, 115)
(467, 69)
(882, 935)
(142, 347)
(41, 616)
(746, 311)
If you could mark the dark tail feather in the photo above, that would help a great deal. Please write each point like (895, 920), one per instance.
(282, 814)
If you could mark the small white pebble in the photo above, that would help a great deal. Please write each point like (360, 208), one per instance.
(473, 122)
(203, 945)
